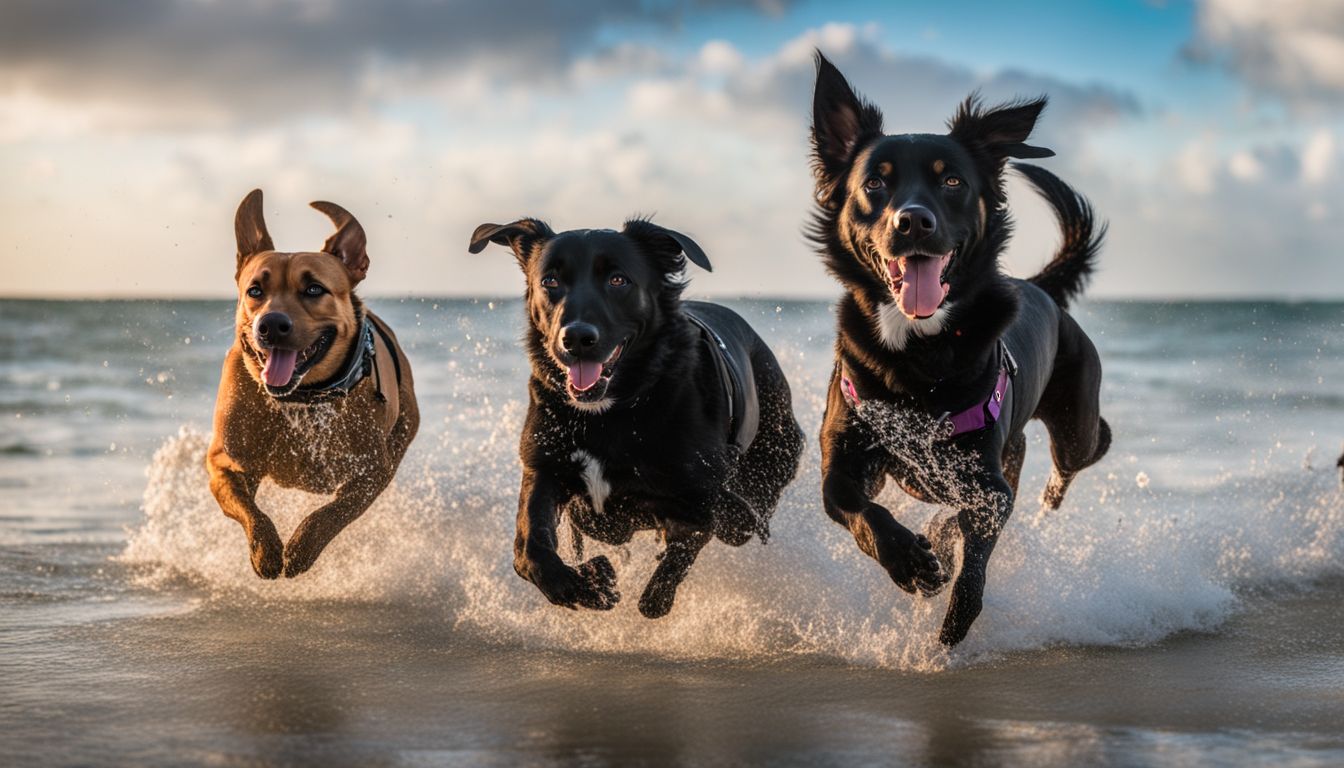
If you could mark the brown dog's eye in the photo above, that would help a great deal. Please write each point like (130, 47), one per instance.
(874, 183)
(254, 291)
(550, 281)
(618, 281)
(952, 181)
(314, 290)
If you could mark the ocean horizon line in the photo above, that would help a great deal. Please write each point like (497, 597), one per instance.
(798, 299)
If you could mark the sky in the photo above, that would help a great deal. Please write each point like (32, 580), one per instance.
(1210, 134)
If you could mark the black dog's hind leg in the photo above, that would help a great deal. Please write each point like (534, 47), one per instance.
(1071, 410)
(980, 526)
(683, 546)
(770, 462)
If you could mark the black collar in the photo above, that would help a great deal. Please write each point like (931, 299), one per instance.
(357, 366)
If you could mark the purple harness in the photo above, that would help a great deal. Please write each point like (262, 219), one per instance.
(979, 416)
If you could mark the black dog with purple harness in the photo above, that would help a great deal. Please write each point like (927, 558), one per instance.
(941, 360)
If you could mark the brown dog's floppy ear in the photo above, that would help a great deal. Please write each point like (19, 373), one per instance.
(349, 243)
(518, 235)
(841, 123)
(249, 228)
(666, 242)
(1002, 130)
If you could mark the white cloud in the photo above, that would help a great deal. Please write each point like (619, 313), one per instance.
(713, 141)
(1293, 49)
(1318, 157)
(1245, 166)
(720, 57)
(1196, 166)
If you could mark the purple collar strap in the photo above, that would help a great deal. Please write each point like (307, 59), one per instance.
(980, 416)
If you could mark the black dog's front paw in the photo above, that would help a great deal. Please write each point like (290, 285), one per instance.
(907, 558)
(601, 579)
(734, 520)
(967, 600)
(592, 585)
(945, 534)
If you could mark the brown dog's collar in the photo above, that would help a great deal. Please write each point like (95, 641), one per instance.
(357, 368)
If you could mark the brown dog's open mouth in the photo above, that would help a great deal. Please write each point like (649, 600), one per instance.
(918, 282)
(282, 369)
(588, 379)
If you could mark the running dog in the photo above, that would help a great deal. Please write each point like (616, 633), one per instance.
(941, 360)
(645, 412)
(316, 394)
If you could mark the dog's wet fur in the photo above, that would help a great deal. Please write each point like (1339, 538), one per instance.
(912, 226)
(348, 446)
(641, 442)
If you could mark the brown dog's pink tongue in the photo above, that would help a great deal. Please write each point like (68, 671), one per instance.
(280, 366)
(583, 375)
(922, 287)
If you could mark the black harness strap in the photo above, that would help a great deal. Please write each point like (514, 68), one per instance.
(739, 387)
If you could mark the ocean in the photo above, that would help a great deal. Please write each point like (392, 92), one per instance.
(1183, 607)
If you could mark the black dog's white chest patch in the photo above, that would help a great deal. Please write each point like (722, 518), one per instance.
(594, 478)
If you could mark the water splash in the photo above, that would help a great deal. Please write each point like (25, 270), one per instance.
(1119, 564)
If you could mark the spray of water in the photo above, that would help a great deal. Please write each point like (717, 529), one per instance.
(1122, 562)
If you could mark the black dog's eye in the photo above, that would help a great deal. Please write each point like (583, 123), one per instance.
(314, 290)
(874, 183)
(619, 281)
(952, 182)
(550, 281)
(254, 291)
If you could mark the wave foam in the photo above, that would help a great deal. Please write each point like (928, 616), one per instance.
(1123, 562)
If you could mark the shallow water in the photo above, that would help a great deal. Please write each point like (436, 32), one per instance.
(1181, 607)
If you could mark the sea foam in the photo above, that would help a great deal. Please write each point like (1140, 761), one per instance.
(1127, 561)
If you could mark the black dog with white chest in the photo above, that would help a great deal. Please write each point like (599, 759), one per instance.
(941, 360)
(645, 412)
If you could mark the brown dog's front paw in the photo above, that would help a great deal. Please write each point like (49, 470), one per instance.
(298, 558)
(266, 550)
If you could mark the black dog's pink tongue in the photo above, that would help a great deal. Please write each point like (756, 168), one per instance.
(922, 286)
(280, 366)
(583, 375)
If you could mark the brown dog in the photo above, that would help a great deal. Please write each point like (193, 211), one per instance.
(298, 321)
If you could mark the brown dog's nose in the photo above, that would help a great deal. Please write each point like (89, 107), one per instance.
(915, 221)
(274, 327)
(577, 338)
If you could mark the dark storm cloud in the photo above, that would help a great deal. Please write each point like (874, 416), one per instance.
(201, 59)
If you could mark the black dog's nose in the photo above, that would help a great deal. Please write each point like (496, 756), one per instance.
(274, 326)
(577, 337)
(915, 221)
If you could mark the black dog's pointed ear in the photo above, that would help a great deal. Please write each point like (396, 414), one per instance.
(841, 123)
(518, 235)
(249, 228)
(1028, 152)
(348, 243)
(1002, 130)
(667, 244)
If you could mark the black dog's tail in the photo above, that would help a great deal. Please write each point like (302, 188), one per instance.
(1066, 274)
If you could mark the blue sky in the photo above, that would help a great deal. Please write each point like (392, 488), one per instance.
(1208, 133)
